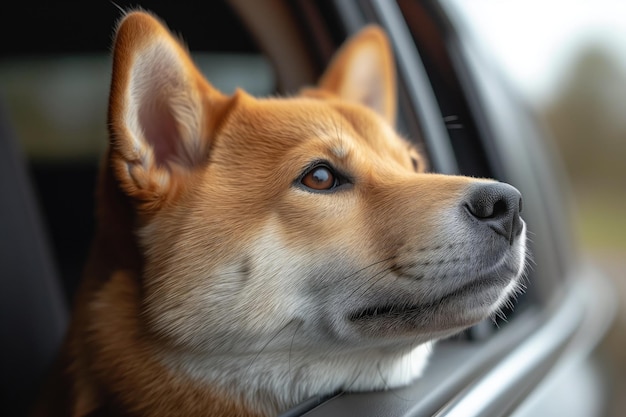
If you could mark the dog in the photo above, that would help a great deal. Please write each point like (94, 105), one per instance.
(251, 253)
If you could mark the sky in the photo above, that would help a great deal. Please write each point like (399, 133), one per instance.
(535, 40)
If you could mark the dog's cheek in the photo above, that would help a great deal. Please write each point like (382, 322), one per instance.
(224, 295)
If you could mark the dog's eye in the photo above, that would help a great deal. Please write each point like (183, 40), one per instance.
(320, 178)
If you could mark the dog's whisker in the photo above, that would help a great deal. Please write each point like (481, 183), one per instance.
(271, 339)
(387, 386)
(356, 378)
(367, 267)
(379, 276)
(291, 347)
(358, 288)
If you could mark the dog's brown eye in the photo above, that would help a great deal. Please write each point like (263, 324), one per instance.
(319, 178)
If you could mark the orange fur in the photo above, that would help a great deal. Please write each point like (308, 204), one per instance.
(195, 183)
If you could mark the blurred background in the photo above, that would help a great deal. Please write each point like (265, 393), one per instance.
(568, 60)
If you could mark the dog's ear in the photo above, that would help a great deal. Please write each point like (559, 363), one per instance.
(363, 70)
(161, 110)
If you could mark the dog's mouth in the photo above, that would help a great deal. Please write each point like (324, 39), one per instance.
(436, 305)
(384, 311)
(480, 294)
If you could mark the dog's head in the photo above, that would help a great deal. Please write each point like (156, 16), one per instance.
(297, 224)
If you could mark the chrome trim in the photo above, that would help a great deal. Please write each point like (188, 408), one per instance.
(420, 92)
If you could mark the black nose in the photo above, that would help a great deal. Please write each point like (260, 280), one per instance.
(498, 206)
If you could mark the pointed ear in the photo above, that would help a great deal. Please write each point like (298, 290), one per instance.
(161, 109)
(363, 70)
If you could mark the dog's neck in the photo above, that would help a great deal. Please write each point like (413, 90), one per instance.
(124, 359)
(290, 377)
(143, 373)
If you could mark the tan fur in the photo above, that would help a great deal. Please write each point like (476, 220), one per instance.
(176, 218)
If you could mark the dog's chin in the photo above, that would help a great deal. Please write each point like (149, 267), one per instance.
(444, 316)
(448, 315)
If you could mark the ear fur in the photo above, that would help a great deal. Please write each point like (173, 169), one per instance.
(363, 70)
(160, 109)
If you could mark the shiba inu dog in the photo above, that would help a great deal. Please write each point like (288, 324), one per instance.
(254, 252)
